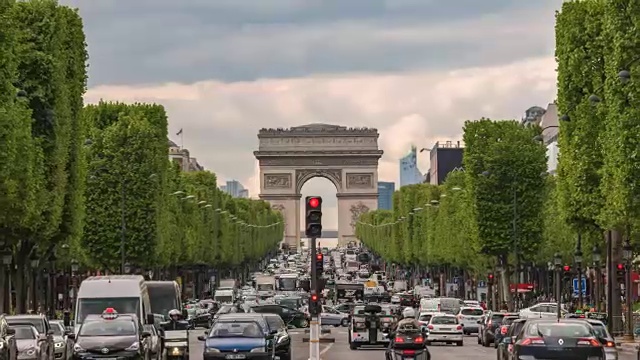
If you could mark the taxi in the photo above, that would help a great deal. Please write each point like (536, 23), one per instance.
(111, 336)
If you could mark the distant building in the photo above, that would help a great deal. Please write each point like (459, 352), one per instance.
(445, 158)
(533, 115)
(235, 189)
(550, 136)
(409, 172)
(183, 159)
(385, 195)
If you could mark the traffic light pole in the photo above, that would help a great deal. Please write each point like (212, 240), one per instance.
(314, 324)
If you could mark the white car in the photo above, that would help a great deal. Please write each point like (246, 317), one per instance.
(542, 311)
(445, 329)
(468, 317)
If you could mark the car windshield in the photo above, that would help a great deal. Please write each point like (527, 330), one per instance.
(274, 322)
(601, 331)
(425, 317)
(472, 312)
(95, 306)
(508, 320)
(58, 329)
(567, 330)
(35, 322)
(108, 328)
(443, 320)
(497, 318)
(248, 329)
(24, 333)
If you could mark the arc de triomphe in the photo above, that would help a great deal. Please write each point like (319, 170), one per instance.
(348, 157)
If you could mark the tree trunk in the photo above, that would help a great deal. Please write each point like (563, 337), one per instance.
(20, 286)
(504, 282)
(616, 303)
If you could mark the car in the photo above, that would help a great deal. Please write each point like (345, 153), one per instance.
(333, 317)
(8, 347)
(468, 317)
(489, 324)
(237, 336)
(281, 339)
(505, 347)
(29, 345)
(292, 318)
(542, 311)
(42, 325)
(445, 329)
(62, 344)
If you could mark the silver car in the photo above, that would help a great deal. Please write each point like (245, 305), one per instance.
(63, 346)
(333, 317)
(468, 317)
(28, 342)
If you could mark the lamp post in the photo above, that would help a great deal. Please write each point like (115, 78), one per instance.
(34, 281)
(598, 277)
(557, 261)
(548, 281)
(7, 257)
(578, 261)
(74, 283)
(627, 256)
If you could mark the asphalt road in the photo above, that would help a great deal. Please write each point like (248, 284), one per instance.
(340, 349)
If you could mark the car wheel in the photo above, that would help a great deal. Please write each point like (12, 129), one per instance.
(353, 346)
(345, 322)
(304, 323)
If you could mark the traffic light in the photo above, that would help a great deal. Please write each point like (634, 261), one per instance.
(490, 278)
(567, 272)
(313, 217)
(319, 264)
(620, 272)
(314, 304)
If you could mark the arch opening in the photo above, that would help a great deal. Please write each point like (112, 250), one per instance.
(324, 187)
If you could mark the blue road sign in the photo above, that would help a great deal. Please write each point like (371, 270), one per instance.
(482, 284)
(575, 286)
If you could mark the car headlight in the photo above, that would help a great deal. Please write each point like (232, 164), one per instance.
(58, 345)
(282, 339)
(176, 351)
(31, 352)
(259, 349)
(77, 348)
(211, 350)
(134, 347)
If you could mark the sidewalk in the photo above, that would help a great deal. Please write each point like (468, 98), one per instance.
(627, 346)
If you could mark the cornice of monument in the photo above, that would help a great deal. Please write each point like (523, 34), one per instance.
(320, 153)
(323, 130)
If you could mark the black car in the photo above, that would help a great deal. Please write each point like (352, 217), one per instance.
(558, 339)
(504, 328)
(293, 318)
(489, 325)
(281, 339)
(505, 347)
(111, 336)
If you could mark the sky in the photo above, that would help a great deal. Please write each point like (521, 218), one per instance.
(413, 69)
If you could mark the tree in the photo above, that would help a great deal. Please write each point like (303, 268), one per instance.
(580, 49)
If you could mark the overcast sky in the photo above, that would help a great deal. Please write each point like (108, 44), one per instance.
(414, 69)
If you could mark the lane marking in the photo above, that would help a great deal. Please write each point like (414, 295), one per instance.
(326, 349)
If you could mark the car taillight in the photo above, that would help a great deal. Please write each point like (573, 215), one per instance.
(610, 344)
(399, 340)
(503, 330)
(408, 352)
(430, 327)
(532, 341)
(588, 342)
(419, 340)
(459, 327)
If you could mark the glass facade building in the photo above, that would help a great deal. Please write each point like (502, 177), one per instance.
(385, 195)
(409, 172)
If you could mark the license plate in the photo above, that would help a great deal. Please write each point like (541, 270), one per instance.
(235, 356)
(108, 358)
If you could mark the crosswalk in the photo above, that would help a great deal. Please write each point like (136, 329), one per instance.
(334, 331)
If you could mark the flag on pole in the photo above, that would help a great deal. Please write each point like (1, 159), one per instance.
(179, 132)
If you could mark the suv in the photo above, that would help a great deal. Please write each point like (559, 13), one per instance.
(488, 327)
(42, 325)
(8, 349)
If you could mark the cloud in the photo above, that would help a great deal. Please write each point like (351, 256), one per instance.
(151, 41)
(221, 120)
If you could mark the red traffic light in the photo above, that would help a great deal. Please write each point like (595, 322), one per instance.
(314, 202)
(319, 257)
(620, 267)
(566, 268)
(490, 276)
(314, 297)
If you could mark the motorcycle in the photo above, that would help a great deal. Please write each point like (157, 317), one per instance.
(408, 345)
(176, 340)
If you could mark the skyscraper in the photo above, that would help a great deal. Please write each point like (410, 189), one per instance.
(235, 189)
(385, 195)
(409, 172)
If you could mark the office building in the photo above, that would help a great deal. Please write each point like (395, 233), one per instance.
(445, 157)
(409, 172)
(182, 157)
(235, 189)
(550, 136)
(385, 195)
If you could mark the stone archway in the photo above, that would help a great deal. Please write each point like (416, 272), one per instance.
(348, 157)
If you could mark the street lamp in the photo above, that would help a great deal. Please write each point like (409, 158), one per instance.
(127, 268)
(557, 261)
(578, 260)
(597, 258)
(627, 256)
(74, 266)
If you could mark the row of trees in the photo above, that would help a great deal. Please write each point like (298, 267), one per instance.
(504, 206)
(89, 179)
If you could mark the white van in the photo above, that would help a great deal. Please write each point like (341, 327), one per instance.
(127, 294)
(445, 305)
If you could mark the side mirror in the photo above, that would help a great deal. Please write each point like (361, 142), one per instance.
(151, 319)
(11, 331)
(145, 334)
(72, 336)
(42, 337)
(50, 332)
(201, 338)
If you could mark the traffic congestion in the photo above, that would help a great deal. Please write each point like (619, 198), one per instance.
(364, 312)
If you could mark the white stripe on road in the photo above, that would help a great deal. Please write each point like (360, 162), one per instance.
(326, 349)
